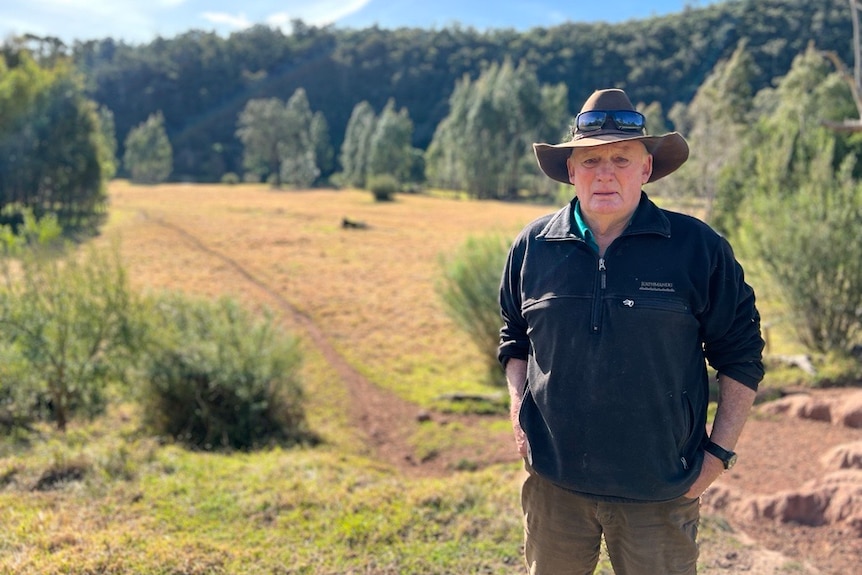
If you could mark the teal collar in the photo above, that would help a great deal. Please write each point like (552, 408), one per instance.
(582, 229)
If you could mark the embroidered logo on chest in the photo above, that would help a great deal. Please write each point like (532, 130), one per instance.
(657, 286)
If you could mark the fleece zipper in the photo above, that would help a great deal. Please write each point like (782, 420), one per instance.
(598, 297)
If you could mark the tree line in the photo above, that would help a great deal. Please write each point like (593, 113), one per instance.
(201, 82)
(774, 175)
(302, 108)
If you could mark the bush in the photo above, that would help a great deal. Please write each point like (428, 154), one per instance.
(383, 186)
(804, 239)
(230, 179)
(470, 289)
(66, 334)
(22, 232)
(216, 377)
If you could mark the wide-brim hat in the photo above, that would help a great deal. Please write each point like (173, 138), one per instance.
(669, 151)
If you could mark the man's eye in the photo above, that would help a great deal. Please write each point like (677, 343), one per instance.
(620, 161)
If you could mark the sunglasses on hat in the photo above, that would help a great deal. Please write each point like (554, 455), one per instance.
(623, 120)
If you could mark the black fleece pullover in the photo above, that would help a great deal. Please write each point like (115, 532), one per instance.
(616, 348)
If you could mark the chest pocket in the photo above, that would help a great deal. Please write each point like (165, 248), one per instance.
(654, 304)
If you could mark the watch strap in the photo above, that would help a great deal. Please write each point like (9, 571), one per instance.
(727, 457)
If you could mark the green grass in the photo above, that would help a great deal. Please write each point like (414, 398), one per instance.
(277, 511)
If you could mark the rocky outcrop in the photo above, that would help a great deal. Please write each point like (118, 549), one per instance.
(845, 411)
(847, 456)
(834, 499)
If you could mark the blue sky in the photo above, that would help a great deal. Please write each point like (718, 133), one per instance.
(140, 21)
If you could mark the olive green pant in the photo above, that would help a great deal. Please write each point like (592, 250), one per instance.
(563, 533)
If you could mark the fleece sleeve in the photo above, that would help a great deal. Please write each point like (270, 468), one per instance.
(731, 323)
(514, 342)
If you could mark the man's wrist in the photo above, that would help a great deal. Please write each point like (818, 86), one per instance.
(725, 456)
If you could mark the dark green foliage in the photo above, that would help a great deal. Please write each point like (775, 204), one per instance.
(53, 156)
(808, 241)
(469, 288)
(201, 81)
(383, 186)
(217, 377)
(109, 142)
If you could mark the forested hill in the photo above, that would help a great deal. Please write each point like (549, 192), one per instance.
(201, 81)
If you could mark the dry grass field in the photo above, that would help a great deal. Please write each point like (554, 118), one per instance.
(371, 291)
(364, 295)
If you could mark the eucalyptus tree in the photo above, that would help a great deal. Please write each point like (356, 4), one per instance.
(323, 152)
(53, 158)
(261, 127)
(716, 123)
(283, 141)
(802, 209)
(356, 147)
(484, 144)
(390, 149)
(297, 149)
(149, 156)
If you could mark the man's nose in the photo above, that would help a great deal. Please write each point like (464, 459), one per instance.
(606, 167)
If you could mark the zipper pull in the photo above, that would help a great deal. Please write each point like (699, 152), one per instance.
(602, 275)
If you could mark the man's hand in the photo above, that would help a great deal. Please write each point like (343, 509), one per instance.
(521, 440)
(710, 471)
(734, 403)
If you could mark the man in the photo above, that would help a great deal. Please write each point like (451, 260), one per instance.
(611, 308)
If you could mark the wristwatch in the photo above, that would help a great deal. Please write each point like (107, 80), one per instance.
(727, 457)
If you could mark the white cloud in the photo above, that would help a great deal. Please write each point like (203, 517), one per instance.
(142, 20)
(78, 19)
(316, 13)
(237, 22)
(86, 8)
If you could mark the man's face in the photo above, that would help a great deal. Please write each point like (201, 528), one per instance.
(608, 178)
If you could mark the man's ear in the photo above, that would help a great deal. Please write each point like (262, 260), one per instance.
(570, 166)
(647, 168)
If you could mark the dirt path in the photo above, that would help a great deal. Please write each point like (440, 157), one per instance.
(384, 420)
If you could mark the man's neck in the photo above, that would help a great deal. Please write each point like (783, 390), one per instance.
(606, 229)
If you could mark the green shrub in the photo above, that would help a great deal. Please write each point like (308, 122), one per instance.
(469, 289)
(218, 377)
(230, 179)
(383, 186)
(66, 331)
(21, 231)
(804, 239)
